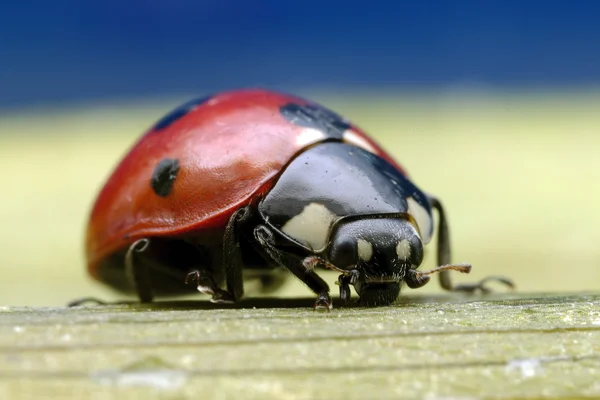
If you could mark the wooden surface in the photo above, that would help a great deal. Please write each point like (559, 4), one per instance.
(425, 347)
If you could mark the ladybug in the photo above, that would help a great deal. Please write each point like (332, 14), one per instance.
(245, 184)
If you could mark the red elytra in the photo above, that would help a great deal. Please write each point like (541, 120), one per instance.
(231, 148)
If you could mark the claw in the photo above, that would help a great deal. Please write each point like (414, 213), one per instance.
(207, 286)
(222, 297)
(323, 301)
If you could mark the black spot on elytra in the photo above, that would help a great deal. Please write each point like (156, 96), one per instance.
(179, 112)
(317, 117)
(164, 176)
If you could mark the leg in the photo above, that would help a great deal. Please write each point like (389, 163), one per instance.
(231, 262)
(347, 277)
(443, 256)
(294, 264)
(232, 255)
(137, 272)
(344, 281)
(207, 285)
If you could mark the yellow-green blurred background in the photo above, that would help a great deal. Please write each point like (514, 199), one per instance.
(492, 110)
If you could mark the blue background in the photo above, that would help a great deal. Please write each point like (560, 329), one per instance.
(66, 51)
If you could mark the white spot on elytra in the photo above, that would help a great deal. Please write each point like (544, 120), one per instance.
(354, 138)
(311, 225)
(403, 250)
(365, 249)
(309, 136)
(422, 218)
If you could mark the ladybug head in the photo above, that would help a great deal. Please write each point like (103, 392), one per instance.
(380, 251)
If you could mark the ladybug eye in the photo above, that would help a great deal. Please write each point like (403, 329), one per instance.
(344, 253)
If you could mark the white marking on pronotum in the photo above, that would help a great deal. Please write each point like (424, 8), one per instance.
(365, 249)
(309, 136)
(354, 138)
(311, 225)
(422, 218)
(403, 249)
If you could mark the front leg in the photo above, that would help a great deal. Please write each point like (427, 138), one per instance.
(443, 256)
(294, 264)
